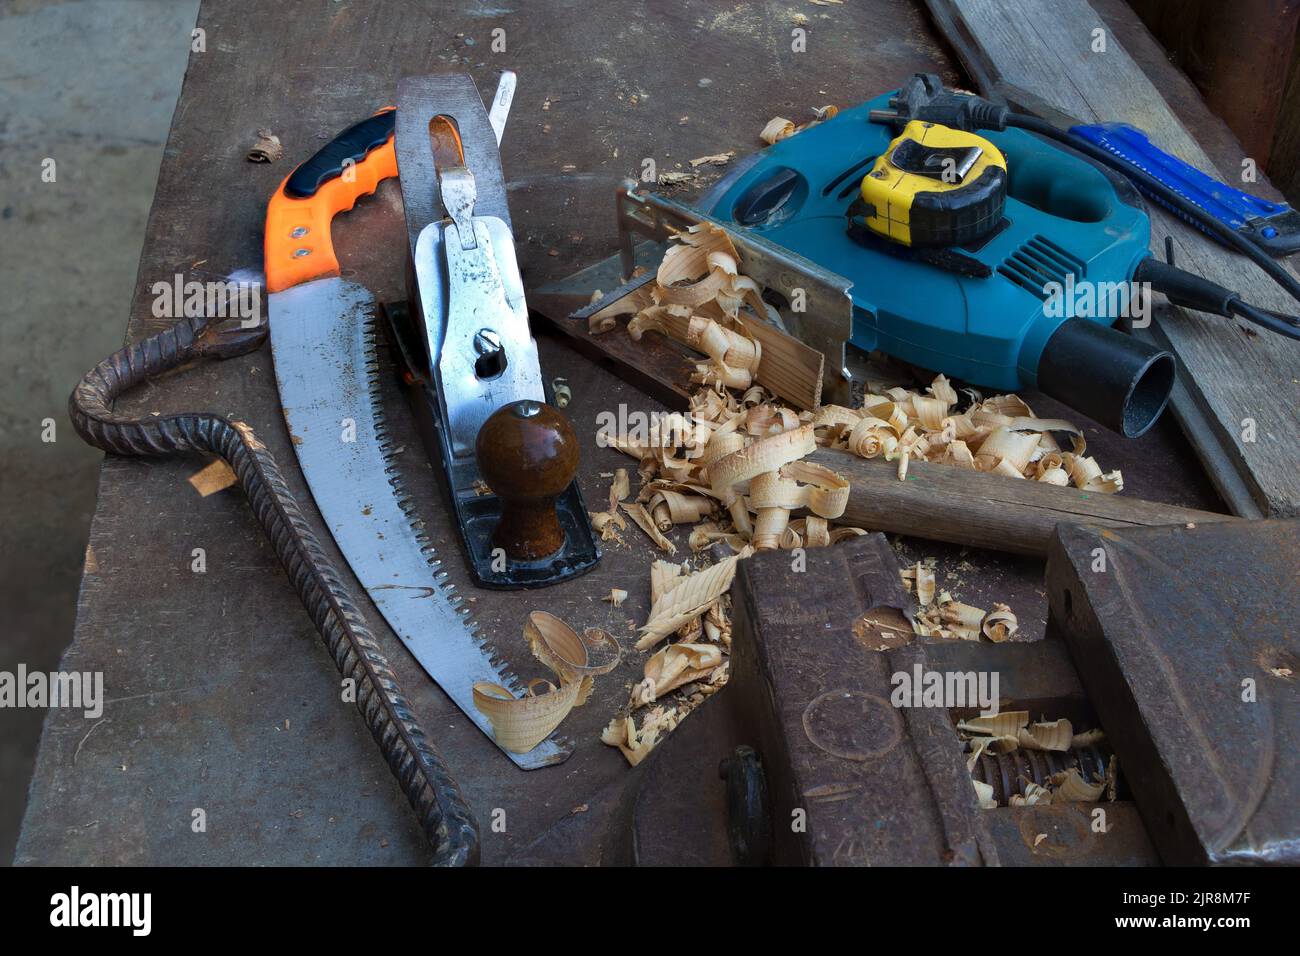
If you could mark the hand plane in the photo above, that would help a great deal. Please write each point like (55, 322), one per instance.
(508, 457)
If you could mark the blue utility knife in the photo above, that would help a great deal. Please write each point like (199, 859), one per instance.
(1274, 227)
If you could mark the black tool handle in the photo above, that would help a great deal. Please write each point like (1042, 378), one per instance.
(350, 146)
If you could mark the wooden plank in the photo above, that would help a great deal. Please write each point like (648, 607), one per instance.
(1038, 55)
(944, 503)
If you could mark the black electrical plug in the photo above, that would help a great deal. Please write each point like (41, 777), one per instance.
(924, 97)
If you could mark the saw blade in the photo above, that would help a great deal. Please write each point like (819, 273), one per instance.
(323, 336)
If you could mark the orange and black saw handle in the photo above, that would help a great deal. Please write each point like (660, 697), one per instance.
(352, 165)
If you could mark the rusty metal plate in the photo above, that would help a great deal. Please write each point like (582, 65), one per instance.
(1184, 638)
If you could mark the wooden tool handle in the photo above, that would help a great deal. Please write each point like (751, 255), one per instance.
(943, 503)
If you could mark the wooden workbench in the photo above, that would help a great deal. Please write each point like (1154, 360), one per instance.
(220, 696)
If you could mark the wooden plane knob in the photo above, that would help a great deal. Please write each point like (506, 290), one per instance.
(528, 454)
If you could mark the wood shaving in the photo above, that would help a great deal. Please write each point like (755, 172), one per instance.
(984, 793)
(664, 576)
(213, 477)
(999, 624)
(717, 159)
(777, 129)
(637, 742)
(676, 179)
(520, 723)
(616, 597)
(265, 149)
(1010, 731)
(688, 599)
(991, 745)
(1053, 735)
(641, 518)
(924, 584)
(1089, 738)
(1069, 785)
(952, 619)
(1034, 795)
(609, 523)
(731, 468)
(563, 394)
(1005, 724)
(673, 666)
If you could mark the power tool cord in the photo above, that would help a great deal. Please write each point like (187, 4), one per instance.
(1288, 326)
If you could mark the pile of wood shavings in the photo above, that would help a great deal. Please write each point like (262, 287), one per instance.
(732, 468)
(693, 608)
(941, 615)
(738, 449)
(1011, 730)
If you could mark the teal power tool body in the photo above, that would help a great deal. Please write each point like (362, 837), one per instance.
(1003, 259)
(983, 311)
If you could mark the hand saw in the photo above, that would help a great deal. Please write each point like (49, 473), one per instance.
(324, 338)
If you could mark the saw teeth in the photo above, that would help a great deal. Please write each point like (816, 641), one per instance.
(406, 502)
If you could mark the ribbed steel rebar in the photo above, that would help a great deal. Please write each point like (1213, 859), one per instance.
(415, 762)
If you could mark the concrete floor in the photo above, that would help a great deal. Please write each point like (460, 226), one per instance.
(90, 84)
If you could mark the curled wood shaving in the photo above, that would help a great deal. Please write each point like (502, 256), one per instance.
(1034, 795)
(641, 518)
(992, 745)
(777, 128)
(1051, 735)
(924, 584)
(616, 597)
(265, 149)
(1089, 738)
(1005, 724)
(673, 666)
(630, 304)
(1000, 435)
(520, 724)
(1069, 785)
(563, 394)
(609, 523)
(637, 742)
(948, 618)
(984, 793)
(999, 624)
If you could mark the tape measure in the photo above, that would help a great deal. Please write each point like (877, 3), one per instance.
(933, 186)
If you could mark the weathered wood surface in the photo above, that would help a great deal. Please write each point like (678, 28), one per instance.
(1037, 54)
(943, 503)
(219, 695)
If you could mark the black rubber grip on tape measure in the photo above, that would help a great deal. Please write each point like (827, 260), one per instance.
(956, 217)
